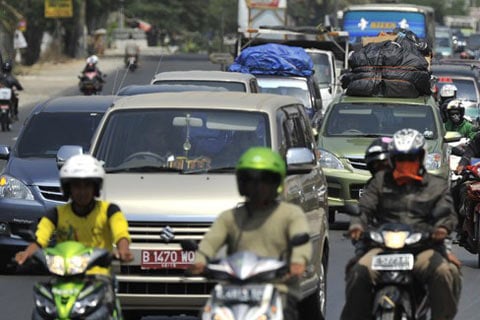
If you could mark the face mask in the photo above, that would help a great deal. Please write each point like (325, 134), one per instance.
(456, 118)
(406, 172)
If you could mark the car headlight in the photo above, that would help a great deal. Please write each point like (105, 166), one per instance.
(329, 160)
(12, 188)
(433, 161)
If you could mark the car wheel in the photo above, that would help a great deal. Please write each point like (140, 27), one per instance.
(315, 306)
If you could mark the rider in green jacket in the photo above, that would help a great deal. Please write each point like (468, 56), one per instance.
(456, 120)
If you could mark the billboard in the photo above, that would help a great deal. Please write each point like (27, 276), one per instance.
(371, 23)
(58, 9)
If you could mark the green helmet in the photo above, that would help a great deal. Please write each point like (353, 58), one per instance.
(264, 159)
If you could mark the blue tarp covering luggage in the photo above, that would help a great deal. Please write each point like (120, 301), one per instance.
(273, 59)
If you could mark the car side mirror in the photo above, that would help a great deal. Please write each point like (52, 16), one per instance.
(452, 136)
(4, 152)
(300, 160)
(66, 152)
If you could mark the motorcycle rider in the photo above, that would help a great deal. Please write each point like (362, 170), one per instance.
(376, 155)
(263, 224)
(406, 193)
(131, 49)
(93, 222)
(448, 92)
(456, 121)
(91, 66)
(10, 81)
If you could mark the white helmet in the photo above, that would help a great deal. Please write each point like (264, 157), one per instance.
(407, 142)
(92, 59)
(82, 166)
(448, 91)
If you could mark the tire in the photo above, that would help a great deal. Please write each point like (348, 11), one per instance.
(314, 307)
(476, 221)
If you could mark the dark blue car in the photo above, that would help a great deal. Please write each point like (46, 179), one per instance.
(29, 184)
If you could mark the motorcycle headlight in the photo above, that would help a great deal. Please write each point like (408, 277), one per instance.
(413, 238)
(394, 239)
(77, 264)
(11, 188)
(433, 161)
(85, 305)
(329, 160)
(375, 236)
(55, 264)
(45, 306)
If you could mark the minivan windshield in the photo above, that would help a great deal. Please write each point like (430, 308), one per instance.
(179, 140)
(46, 132)
(379, 119)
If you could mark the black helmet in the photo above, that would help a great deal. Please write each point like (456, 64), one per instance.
(377, 151)
(7, 66)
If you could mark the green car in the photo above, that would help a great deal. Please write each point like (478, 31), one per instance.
(352, 123)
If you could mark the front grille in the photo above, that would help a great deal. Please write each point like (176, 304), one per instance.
(358, 163)
(355, 190)
(165, 288)
(52, 193)
(150, 232)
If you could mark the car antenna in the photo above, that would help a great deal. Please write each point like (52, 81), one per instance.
(115, 82)
(158, 64)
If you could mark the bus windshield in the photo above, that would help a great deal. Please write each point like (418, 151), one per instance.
(369, 23)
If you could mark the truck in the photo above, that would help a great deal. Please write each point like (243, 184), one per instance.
(255, 13)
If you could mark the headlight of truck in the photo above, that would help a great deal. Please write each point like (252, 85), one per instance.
(11, 188)
(329, 160)
(433, 161)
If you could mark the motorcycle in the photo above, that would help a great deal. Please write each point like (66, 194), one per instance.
(90, 83)
(70, 293)
(131, 62)
(245, 289)
(397, 294)
(470, 238)
(6, 95)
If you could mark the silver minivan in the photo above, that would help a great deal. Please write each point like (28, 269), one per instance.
(169, 161)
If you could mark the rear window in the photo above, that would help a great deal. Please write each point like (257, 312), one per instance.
(379, 119)
(286, 87)
(46, 132)
(466, 89)
(229, 86)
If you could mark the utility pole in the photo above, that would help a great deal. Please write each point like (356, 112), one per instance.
(121, 23)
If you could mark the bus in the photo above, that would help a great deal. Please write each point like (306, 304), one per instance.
(368, 20)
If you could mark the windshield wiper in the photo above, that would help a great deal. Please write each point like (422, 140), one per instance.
(143, 169)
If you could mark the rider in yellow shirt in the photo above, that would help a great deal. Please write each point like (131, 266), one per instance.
(93, 222)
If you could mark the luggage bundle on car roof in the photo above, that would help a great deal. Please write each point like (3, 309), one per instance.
(273, 59)
(390, 65)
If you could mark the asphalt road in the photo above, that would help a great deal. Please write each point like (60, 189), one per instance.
(16, 291)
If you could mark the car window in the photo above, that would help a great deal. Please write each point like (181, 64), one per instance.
(466, 89)
(286, 87)
(379, 119)
(46, 132)
(323, 71)
(230, 86)
(182, 139)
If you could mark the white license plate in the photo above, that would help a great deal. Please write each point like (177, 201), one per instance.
(240, 293)
(399, 261)
(167, 259)
(5, 93)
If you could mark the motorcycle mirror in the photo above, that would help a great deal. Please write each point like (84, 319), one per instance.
(351, 209)
(440, 212)
(189, 245)
(299, 239)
